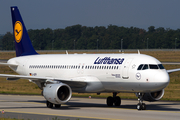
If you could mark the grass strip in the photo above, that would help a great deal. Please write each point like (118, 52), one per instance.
(10, 119)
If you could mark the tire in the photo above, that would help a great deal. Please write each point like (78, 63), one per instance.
(143, 106)
(139, 106)
(109, 101)
(117, 101)
(49, 104)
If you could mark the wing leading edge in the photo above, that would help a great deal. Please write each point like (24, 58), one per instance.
(172, 63)
(74, 82)
(8, 64)
(173, 70)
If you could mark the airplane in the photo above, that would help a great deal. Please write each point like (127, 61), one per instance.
(58, 75)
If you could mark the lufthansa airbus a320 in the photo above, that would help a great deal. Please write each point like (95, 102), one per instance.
(60, 74)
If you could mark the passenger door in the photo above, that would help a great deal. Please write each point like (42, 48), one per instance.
(126, 68)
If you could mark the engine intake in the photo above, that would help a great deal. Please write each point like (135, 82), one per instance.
(153, 96)
(57, 93)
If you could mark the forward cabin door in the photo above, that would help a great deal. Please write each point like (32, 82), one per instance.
(125, 69)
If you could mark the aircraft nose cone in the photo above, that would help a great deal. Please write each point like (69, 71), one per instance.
(162, 79)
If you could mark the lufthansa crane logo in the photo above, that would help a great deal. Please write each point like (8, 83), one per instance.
(138, 76)
(18, 31)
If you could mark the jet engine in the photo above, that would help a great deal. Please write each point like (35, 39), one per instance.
(153, 96)
(57, 93)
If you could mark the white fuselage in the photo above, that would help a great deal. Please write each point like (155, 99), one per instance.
(102, 72)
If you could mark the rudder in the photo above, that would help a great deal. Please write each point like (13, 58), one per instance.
(22, 41)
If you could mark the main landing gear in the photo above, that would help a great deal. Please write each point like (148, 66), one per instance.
(50, 105)
(140, 105)
(116, 100)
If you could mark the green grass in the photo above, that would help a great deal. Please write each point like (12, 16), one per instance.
(10, 119)
(55, 118)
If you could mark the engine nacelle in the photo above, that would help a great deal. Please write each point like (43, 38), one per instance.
(153, 96)
(57, 93)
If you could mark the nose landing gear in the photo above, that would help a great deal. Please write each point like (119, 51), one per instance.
(140, 105)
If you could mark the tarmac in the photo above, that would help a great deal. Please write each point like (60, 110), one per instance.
(34, 108)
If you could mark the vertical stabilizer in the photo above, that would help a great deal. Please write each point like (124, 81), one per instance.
(23, 43)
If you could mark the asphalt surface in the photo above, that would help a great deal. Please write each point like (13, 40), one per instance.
(34, 108)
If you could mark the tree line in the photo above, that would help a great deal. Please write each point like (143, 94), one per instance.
(81, 37)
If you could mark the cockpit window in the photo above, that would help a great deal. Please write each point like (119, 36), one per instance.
(161, 66)
(153, 66)
(139, 68)
(150, 66)
(145, 67)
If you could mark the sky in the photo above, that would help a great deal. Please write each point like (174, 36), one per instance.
(54, 14)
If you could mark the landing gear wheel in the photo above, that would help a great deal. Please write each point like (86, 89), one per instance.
(143, 106)
(139, 106)
(49, 104)
(57, 105)
(117, 101)
(109, 101)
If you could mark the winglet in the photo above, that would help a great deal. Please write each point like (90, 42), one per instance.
(23, 43)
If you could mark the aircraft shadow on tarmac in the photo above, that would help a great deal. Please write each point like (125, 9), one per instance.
(160, 107)
(77, 105)
(74, 104)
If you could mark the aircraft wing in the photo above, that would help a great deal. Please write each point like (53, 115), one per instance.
(16, 77)
(74, 82)
(173, 70)
(8, 64)
(172, 63)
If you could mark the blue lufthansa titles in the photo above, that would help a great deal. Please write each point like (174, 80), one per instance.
(108, 60)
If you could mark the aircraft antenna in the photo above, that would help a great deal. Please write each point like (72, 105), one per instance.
(66, 52)
(139, 52)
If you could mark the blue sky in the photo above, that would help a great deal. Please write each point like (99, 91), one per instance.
(39, 14)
